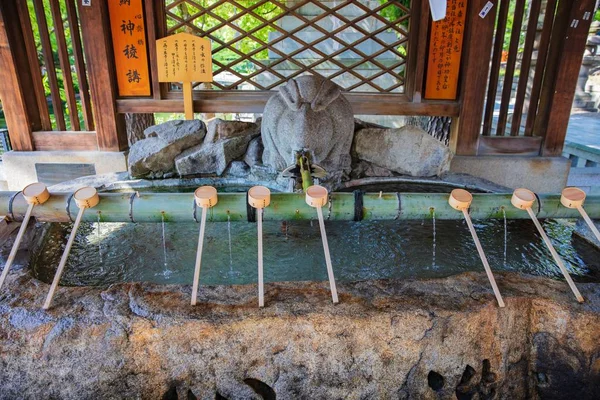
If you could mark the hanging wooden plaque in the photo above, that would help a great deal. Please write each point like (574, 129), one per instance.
(130, 48)
(445, 49)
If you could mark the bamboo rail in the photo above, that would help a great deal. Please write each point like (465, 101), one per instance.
(179, 207)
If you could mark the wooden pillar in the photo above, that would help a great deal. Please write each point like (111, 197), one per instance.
(16, 84)
(464, 135)
(95, 29)
(572, 24)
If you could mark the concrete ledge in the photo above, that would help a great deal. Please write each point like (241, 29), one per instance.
(20, 166)
(540, 174)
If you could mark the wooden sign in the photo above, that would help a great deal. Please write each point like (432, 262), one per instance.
(184, 58)
(130, 48)
(445, 49)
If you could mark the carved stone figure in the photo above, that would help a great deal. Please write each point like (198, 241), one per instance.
(308, 113)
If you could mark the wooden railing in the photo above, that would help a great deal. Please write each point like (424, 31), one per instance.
(49, 100)
(524, 74)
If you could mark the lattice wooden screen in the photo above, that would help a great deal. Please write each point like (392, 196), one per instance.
(258, 45)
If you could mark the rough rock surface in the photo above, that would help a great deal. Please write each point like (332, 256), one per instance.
(254, 152)
(308, 113)
(408, 150)
(429, 339)
(226, 141)
(155, 154)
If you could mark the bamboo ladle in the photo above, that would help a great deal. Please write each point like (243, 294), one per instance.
(461, 200)
(34, 194)
(259, 197)
(86, 197)
(205, 198)
(524, 199)
(316, 196)
(573, 197)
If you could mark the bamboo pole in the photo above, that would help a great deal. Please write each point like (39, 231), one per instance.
(461, 200)
(148, 207)
(524, 199)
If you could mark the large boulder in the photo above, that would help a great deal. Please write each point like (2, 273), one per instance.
(308, 113)
(408, 150)
(154, 155)
(225, 142)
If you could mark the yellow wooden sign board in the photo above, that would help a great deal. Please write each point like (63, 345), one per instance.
(184, 58)
(129, 45)
(445, 50)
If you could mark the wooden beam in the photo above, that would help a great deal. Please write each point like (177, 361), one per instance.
(254, 102)
(513, 50)
(495, 69)
(474, 76)
(569, 64)
(95, 28)
(16, 88)
(509, 145)
(417, 49)
(65, 141)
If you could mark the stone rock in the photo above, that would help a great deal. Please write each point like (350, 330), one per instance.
(408, 150)
(238, 169)
(424, 339)
(366, 169)
(308, 113)
(261, 172)
(211, 158)
(154, 156)
(255, 151)
(219, 129)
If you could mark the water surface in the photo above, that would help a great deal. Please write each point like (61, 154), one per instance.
(127, 252)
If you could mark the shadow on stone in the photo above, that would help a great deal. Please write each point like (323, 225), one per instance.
(435, 381)
(261, 388)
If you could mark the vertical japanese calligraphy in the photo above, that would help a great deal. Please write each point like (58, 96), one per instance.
(130, 49)
(445, 49)
(184, 58)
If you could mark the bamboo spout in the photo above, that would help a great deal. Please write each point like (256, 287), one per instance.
(149, 207)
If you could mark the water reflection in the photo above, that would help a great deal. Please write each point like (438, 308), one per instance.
(359, 251)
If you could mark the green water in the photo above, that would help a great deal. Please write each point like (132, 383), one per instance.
(126, 252)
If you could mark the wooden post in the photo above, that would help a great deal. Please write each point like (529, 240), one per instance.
(477, 47)
(16, 84)
(95, 29)
(568, 44)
